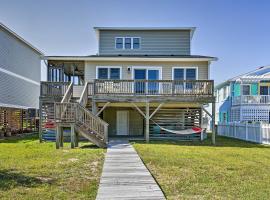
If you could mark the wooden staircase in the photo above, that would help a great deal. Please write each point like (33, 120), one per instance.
(86, 124)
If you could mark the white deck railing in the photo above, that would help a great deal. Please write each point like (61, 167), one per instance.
(259, 133)
(251, 99)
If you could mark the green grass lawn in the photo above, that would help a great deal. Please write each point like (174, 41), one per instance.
(30, 170)
(232, 169)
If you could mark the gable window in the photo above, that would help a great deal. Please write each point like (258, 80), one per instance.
(108, 73)
(245, 89)
(127, 43)
(119, 43)
(136, 43)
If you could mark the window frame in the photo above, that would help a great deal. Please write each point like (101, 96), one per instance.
(123, 41)
(109, 71)
(185, 67)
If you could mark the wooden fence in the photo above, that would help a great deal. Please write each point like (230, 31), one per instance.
(259, 132)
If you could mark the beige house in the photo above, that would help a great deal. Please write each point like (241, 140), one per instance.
(143, 82)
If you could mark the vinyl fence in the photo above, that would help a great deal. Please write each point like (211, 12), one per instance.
(259, 133)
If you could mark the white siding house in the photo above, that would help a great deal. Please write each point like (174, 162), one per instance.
(19, 71)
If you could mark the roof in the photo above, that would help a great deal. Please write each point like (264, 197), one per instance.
(133, 58)
(260, 73)
(20, 38)
(192, 29)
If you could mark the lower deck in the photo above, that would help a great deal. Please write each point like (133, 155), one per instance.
(128, 119)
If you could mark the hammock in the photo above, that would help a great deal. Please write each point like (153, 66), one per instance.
(181, 132)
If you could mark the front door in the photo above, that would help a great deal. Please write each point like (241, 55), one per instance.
(122, 124)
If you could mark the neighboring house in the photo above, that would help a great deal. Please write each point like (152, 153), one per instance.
(20, 65)
(245, 98)
(141, 82)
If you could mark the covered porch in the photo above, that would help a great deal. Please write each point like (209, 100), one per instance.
(152, 120)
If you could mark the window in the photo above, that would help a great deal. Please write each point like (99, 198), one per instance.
(264, 90)
(136, 43)
(178, 74)
(181, 73)
(245, 89)
(114, 73)
(103, 73)
(119, 43)
(127, 43)
(108, 73)
(191, 74)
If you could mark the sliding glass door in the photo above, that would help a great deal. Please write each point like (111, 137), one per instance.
(149, 87)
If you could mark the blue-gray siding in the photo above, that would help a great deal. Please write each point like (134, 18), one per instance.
(155, 42)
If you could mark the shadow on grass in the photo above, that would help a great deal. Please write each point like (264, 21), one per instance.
(10, 179)
(21, 138)
(89, 146)
(220, 142)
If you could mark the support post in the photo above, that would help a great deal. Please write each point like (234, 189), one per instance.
(201, 123)
(94, 107)
(76, 139)
(58, 136)
(106, 134)
(72, 136)
(147, 117)
(213, 122)
(40, 122)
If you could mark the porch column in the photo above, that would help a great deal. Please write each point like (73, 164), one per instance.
(58, 137)
(40, 122)
(72, 136)
(147, 122)
(213, 122)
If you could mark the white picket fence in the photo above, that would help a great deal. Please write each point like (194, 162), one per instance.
(259, 132)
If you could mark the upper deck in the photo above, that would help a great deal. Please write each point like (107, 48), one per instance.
(136, 90)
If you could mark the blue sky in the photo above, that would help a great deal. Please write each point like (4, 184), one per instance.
(235, 31)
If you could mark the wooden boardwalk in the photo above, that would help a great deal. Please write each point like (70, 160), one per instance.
(124, 175)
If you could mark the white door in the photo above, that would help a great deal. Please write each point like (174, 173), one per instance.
(122, 122)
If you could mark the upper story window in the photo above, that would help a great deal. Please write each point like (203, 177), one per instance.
(108, 73)
(119, 43)
(245, 89)
(127, 43)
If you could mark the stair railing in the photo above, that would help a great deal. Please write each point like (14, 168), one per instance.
(92, 122)
(84, 96)
(75, 113)
(68, 94)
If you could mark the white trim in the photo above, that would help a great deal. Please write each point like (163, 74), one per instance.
(119, 58)
(186, 67)
(147, 67)
(19, 76)
(109, 67)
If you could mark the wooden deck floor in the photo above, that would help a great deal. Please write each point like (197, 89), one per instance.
(124, 175)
